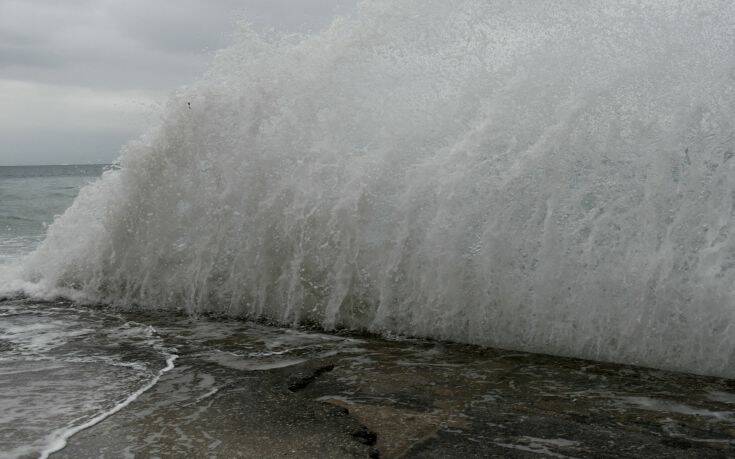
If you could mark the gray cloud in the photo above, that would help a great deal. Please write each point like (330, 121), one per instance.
(183, 26)
(108, 51)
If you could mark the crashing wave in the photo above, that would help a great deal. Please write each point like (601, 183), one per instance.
(536, 175)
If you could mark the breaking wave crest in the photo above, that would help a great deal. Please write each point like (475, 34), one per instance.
(537, 175)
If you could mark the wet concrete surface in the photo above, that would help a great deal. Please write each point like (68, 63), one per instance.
(241, 389)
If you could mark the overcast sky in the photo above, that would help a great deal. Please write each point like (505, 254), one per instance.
(78, 78)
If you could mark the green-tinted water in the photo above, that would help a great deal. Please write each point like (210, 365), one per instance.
(30, 198)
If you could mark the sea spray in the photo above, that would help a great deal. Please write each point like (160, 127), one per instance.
(537, 175)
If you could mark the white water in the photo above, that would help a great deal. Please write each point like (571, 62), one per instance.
(537, 175)
(65, 369)
(60, 438)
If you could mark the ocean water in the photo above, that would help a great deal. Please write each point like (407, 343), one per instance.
(57, 364)
(63, 367)
(535, 175)
(31, 197)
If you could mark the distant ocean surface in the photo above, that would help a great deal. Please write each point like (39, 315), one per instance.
(30, 198)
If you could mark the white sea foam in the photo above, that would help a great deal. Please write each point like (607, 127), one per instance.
(653, 404)
(62, 366)
(58, 439)
(551, 176)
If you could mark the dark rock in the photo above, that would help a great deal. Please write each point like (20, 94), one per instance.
(678, 443)
(5, 345)
(300, 381)
(365, 436)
